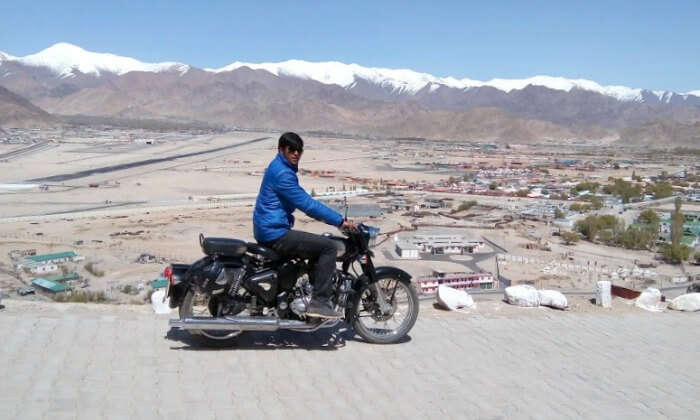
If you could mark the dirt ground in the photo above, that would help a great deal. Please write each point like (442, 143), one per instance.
(112, 217)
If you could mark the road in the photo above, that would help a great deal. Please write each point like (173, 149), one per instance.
(76, 361)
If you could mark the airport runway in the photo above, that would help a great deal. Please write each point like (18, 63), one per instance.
(123, 166)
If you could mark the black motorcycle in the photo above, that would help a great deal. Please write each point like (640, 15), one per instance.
(241, 286)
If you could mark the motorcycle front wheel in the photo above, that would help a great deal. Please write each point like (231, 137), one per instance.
(386, 328)
(198, 305)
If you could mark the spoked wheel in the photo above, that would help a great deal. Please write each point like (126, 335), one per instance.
(386, 328)
(196, 305)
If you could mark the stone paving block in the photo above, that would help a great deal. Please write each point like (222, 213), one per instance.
(576, 365)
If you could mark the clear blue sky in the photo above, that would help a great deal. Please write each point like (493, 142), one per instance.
(637, 43)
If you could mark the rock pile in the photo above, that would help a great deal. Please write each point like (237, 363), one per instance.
(689, 302)
(451, 298)
(650, 300)
(527, 296)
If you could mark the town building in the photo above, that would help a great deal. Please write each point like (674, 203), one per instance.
(55, 258)
(439, 243)
(359, 210)
(46, 263)
(50, 286)
(407, 250)
(428, 285)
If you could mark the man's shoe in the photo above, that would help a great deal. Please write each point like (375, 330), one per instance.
(320, 309)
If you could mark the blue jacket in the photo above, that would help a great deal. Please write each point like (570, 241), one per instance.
(280, 194)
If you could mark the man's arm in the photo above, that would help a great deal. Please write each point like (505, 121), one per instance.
(287, 186)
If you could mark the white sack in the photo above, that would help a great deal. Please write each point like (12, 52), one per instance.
(650, 300)
(553, 299)
(451, 298)
(160, 306)
(689, 302)
(522, 295)
(603, 297)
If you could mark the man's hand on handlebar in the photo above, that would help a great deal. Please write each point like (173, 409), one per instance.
(348, 226)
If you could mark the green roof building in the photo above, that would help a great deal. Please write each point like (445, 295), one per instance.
(159, 283)
(55, 257)
(49, 285)
(60, 278)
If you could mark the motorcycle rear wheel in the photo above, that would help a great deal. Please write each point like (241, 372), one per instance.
(197, 305)
(377, 328)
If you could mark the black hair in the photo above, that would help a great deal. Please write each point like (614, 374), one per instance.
(291, 140)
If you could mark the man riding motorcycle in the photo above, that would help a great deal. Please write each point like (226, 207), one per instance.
(280, 194)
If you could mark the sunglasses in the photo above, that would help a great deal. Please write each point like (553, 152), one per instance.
(294, 150)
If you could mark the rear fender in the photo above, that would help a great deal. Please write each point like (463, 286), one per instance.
(178, 284)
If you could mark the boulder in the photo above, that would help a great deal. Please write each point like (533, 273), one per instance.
(689, 302)
(159, 303)
(650, 300)
(553, 299)
(522, 295)
(451, 298)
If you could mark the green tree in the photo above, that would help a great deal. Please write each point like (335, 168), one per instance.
(675, 254)
(558, 214)
(635, 238)
(588, 227)
(522, 193)
(570, 238)
(649, 217)
(660, 190)
(623, 189)
(606, 228)
(677, 221)
(596, 202)
(585, 186)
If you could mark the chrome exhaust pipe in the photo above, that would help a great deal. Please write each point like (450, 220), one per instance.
(248, 323)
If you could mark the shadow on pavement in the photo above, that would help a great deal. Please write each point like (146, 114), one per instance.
(325, 339)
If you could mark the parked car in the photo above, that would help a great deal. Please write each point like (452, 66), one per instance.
(24, 291)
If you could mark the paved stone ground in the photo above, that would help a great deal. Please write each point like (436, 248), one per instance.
(98, 361)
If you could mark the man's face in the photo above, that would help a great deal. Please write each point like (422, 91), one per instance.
(292, 155)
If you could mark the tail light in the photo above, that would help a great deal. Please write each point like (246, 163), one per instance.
(168, 273)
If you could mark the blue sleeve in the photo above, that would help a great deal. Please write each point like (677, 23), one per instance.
(287, 186)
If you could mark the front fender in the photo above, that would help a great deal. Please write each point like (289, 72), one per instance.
(387, 271)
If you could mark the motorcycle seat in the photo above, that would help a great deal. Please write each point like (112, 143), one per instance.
(265, 252)
(225, 247)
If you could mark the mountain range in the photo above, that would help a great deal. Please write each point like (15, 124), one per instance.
(346, 98)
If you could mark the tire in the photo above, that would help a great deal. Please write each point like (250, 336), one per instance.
(186, 310)
(407, 301)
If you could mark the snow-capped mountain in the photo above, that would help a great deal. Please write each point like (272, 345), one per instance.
(64, 59)
(348, 98)
(411, 82)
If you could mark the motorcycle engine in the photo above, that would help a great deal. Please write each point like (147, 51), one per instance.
(299, 305)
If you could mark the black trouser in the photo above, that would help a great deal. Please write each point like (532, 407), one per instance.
(320, 251)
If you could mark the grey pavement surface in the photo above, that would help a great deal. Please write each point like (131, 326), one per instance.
(65, 361)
